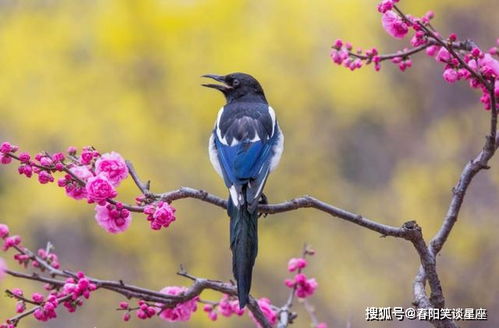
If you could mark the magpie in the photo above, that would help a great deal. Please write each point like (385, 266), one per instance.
(245, 146)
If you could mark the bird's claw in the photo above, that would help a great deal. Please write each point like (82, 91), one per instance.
(263, 201)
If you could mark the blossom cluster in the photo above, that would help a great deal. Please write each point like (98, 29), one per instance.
(160, 214)
(70, 294)
(91, 176)
(229, 305)
(77, 287)
(462, 60)
(302, 286)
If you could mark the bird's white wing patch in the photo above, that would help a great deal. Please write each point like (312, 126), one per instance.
(217, 128)
(277, 149)
(272, 116)
(234, 195)
(212, 151)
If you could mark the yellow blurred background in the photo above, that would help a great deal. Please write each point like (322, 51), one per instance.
(123, 75)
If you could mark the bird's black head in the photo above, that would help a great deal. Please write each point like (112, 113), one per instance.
(237, 86)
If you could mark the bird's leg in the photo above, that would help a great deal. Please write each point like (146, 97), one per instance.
(263, 201)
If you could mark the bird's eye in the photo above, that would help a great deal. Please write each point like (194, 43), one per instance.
(235, 83)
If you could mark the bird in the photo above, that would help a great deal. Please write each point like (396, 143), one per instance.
(245, 145)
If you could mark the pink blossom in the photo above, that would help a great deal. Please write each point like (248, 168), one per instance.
(5, 159)
(443, 55)
(20, 307)
(112, 166)
(58, 157)
(181, 311)
(73, 188)
(212, 314)
(24, 157)
(71, 150)
(17, 291)
(6, 148)
(99, 189)
(385, 5)
(496, 88)
(296, 264)
(37, 298)
(46, 161)
(394, 25)
(229, 306)
(113, 219)
(405, 64)
(86, 156)
(3, 267)
(4, 230)
(269, 313)
(78, 287)
(304, 287)
(45, 177)
(11, 242)
(160, 215)
(321, 325)
(47, 311)
(476, 52)
(82, 172)
(339, 56)
(418, 39)
(489, 66)
(27, 170)
(451, 75)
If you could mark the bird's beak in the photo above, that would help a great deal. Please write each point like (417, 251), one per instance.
(220, 78)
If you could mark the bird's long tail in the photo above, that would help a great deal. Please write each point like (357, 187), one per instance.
(244, 246)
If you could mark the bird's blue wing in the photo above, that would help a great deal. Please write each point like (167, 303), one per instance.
(246, 163)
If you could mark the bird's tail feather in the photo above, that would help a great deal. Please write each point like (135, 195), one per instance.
(244, 246)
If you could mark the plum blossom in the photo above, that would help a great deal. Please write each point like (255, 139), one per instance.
(5, 159)
(11, 242)
(385, 5)
(394, 25)
(7, 147)
(87, 155)
(45, 177)
(27, 170)
(443, 55)
(489, 66)
(228, 306)
(47, 311)
(99, 189)
(79, 286)
(304, 287)
(296, 264)
(269, 313)
(339, 56)
(160, 215)
(145, 311)
(451, 75)
(3, 267)
(181, 311)
(212, 314)
(72, 187)
(4, 230)
(113, 218)
(112, 166)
